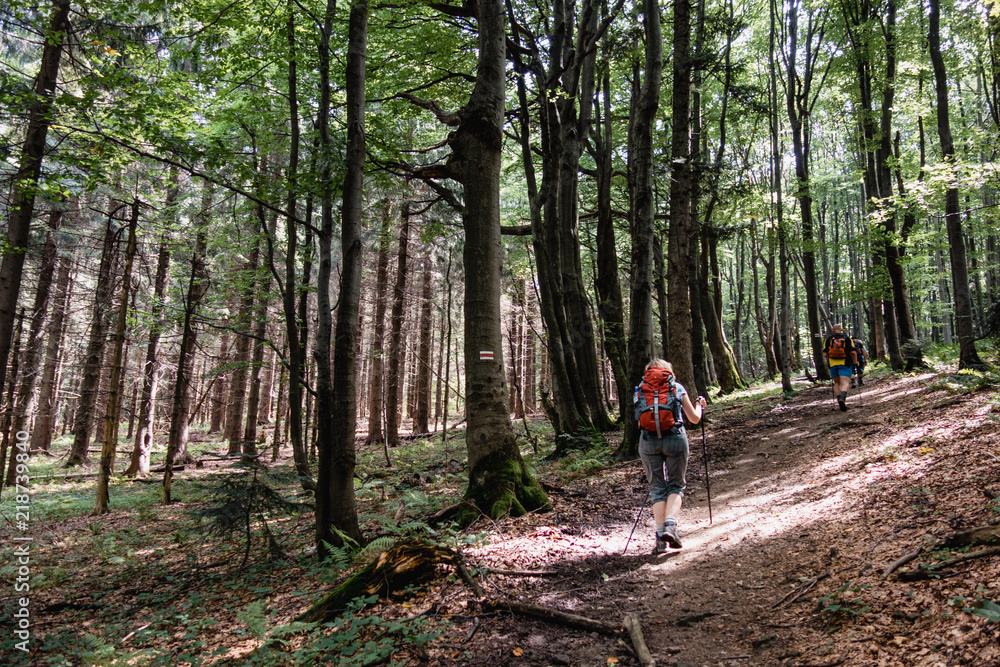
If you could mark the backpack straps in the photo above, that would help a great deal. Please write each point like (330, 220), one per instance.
(656, 413)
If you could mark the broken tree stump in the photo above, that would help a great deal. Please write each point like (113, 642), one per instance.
(405, 563)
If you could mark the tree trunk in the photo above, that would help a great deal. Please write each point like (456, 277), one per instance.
(296, 374)
(640, 339)
(45, 415)
(798, 99)
(139, 464)
(184, 381)
(781, 305)
(241, 357)
(39, 311)
(422, 389)
(111, 416)
(257, 388)
(607, 283)
(393, 384)
(217, 412)
(22, 207)
(91, 374)
(336, 413)
(968, 356)
(499, 481)
(8, 411)
(376, 404)
(679, 346)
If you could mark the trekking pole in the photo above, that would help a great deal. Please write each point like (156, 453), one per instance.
(636, 522)
(708, 484)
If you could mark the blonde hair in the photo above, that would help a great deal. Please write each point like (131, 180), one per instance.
(837, 327)
(660, 363)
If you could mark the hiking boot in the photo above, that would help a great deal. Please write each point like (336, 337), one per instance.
(853, 384)
(861, 381)
(843, 404)
(661, 544)
(672, 538)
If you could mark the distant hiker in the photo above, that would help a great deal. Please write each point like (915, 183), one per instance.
(859, 368)
(663, 446)
(837, 350)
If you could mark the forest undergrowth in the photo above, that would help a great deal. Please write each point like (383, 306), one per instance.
(835, 538)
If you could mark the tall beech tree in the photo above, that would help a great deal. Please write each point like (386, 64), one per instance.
(679, 343)
(968, 357)
(802, 90)
(499, 480)
(640, 341)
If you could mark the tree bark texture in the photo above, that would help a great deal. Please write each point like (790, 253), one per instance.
(376, 384)
(45, 415)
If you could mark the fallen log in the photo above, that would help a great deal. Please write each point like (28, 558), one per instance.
(980, 535)
(554, 616)
(522, 573)
(177, 468)
(641, 650)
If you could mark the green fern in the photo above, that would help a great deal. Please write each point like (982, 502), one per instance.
(338, 556)
(376, 546)
(255, 619)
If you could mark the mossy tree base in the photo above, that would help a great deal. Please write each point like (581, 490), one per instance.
(500, 484)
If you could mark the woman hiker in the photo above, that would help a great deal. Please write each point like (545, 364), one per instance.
(663, 445)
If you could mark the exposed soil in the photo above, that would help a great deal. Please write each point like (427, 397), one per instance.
(809, 507)
(799, 491)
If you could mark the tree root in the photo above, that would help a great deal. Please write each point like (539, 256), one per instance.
(931, 570)
(641, 650)
(554, 616)
(900, 563)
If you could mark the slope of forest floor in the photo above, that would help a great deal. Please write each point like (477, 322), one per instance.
(810, 506)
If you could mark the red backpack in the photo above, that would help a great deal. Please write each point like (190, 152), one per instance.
(838, 347)
(656, 403)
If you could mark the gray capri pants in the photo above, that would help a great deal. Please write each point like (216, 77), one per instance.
(665, 461)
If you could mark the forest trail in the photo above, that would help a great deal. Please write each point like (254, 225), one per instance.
(801, 493)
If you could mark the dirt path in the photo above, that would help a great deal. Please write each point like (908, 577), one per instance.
(800, 492)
